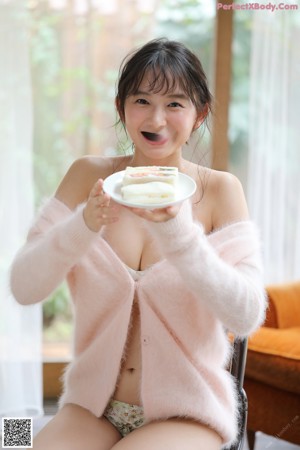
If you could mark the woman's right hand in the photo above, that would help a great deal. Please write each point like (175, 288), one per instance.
(98, 210)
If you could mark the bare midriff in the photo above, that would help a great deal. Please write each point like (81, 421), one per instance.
(136, 251)
(128, 386)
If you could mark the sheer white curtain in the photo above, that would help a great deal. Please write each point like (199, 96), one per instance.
(274, 150)
(20, 327)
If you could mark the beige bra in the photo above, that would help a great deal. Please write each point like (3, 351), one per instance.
(136, 274)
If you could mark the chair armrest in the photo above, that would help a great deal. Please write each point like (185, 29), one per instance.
(271, 320)
(238, 363)
(284, 305)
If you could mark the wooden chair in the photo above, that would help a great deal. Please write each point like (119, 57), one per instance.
(237, 369)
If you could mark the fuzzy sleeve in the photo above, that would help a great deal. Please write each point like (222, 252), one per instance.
(55, 243)
(224, 271)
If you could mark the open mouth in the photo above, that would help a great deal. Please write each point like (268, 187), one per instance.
(154, 137)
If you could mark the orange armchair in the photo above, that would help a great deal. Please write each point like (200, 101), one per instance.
(272, 378)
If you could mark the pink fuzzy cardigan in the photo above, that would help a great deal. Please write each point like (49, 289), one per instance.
(205, 286)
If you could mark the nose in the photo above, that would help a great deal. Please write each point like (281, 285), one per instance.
(158, 118)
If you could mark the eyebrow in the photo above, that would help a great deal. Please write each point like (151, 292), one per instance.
(172, 95)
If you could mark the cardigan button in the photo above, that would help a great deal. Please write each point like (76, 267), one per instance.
(145, 339)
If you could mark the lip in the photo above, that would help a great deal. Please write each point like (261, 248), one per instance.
(154, 138)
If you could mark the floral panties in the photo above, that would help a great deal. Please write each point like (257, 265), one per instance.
(124, 416)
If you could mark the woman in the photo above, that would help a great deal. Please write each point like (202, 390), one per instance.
(154, 291)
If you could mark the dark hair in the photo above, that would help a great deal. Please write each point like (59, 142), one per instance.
(170, 64)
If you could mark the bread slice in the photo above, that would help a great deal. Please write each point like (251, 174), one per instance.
(147, 185)
(148, 193)
(145, 174)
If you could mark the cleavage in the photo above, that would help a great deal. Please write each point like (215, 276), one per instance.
(126, 238)
(130, 241)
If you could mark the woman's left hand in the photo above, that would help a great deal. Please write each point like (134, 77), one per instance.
(157, 215)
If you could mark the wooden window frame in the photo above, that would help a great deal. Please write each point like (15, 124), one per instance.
(222, 85)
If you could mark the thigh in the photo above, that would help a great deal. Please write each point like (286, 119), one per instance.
(173, 434)
(75, 428)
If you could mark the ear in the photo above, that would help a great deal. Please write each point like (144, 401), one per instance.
(201, 117)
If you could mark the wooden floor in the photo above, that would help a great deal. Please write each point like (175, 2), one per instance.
(264, 442)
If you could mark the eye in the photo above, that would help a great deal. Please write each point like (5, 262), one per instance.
(175, 105)
(141, 101)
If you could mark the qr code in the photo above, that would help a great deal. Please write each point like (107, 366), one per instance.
(16, 432)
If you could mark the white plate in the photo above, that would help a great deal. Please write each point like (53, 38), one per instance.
(112, 186)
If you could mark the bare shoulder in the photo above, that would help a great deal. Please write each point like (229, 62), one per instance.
(228, 199)
(81, 177)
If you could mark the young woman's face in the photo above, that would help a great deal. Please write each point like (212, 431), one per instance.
(159, 124)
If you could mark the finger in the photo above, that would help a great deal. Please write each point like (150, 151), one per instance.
(155, 215)
(104, 199)
(158, 214)
(172, 211)
(143, 213)
(107, 216)
(97, 189)
(98, 195)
